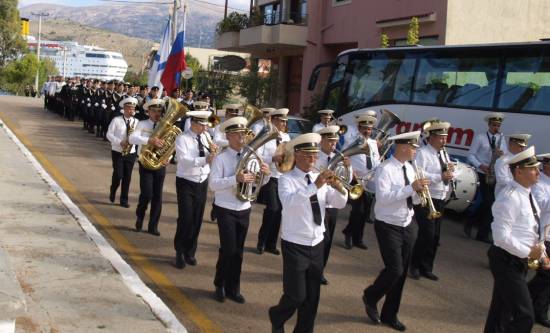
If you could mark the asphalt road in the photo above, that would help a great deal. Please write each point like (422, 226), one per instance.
(458, 302)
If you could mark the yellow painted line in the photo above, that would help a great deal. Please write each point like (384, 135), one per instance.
(162, 282)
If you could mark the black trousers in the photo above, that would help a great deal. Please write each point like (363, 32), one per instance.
(302, 272)
(360, 211)
(232, 227)
(511, 309)
(122, 172)
(484, 215)
(395, 245)
(331, 216)
(427, 241)
(191, 203)
(271, 221)
(150, 184)
(539, 288)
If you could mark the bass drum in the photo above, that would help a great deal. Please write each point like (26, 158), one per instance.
(466, 187)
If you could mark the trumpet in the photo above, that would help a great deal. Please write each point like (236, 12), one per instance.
(340, 184)
(212, 147)
(425, 196)
(536, 263)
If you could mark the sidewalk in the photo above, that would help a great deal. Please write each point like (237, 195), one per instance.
(68, 282)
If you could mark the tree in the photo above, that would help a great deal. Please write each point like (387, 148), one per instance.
(259, 90)
(413, 35)
(196, 66)
(11, 42)
(384, 41)
(139, 79)
(219, 85)
(22, 72)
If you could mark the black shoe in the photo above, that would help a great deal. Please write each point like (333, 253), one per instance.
(414, 274)
(238, 298)
(124, 204)
(154, 232)
(324, 280)
(429, 276)
(179, 264)
(543, 321)
(361, 246)
(273, 251)
(220, 294)
(112, 197)
(372, 312)
(395, 324)
(139, 225)
(191, 260)
(259, 248)
(468, 230)
(347, 243)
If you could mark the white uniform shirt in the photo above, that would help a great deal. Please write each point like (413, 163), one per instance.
(514, 226)
(322, 163)
(391, 193)
(503, 174)
(480, 150)
(141, 134)
(318, 126)
(427, 160)
(219, 137)
(116, 132)
(541, 192)
(359, 161)
(268, 150)
(223, 181)
(190, 165)
(297, 223)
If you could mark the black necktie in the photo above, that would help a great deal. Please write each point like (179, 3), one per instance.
(278, 142)
(315, 208)
(369, 161)
(154, 125)
(201, 147)
(493, 142)
(443, 165)
(409, 199)
(537, 218)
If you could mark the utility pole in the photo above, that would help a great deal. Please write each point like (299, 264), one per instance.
(225, 11)
(174, 21)
(40, 15)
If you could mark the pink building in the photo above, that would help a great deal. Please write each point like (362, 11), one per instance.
(299, 34)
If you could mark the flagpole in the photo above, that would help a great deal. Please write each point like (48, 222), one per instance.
(184, 31)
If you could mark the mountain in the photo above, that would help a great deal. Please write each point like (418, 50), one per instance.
(145, 21)
(134, 49)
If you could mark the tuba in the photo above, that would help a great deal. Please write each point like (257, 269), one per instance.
(153, 158)
(387, 120)
(251, 162)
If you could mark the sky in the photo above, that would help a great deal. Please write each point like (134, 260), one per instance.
(241, 4)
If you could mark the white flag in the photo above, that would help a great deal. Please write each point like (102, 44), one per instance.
(160, 58)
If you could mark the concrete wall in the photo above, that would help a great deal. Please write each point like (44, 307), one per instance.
(496, 21)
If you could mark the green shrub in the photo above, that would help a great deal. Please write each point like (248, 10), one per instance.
(233, 22)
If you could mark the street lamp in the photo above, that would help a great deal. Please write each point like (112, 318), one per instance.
(40, 15)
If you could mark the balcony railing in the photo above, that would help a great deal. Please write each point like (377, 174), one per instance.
(275, 18)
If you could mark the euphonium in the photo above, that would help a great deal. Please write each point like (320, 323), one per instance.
(126, 150)
(360, 146)
(425, 196)
(252, 114)
(153, 158)
(251, 162)
(387, 120)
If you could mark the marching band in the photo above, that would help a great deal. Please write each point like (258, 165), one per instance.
(305, 181)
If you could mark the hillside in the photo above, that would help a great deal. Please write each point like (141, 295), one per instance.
(134, 49)
(138, 20)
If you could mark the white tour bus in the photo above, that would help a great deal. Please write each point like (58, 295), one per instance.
(459, 84)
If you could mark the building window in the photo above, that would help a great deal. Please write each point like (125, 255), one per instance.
(424, 41)
(340, 2)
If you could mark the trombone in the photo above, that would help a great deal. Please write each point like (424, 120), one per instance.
(425, 196)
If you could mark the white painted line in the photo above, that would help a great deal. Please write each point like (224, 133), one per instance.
(129, 276)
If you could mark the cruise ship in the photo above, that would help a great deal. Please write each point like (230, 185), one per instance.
(72, 59)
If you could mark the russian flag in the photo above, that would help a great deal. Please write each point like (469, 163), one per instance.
(175, 63)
